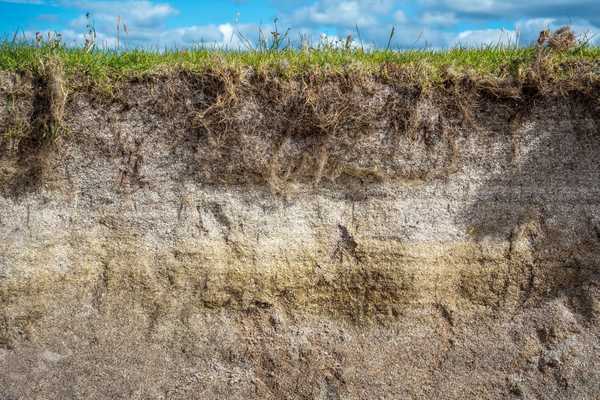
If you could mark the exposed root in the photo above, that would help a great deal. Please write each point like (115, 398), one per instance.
(51, 100)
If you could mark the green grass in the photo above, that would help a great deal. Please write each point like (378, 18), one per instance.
(113, 64)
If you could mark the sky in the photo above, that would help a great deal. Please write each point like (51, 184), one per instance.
(237, 23)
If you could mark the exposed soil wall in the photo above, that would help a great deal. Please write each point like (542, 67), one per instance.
(329, 236)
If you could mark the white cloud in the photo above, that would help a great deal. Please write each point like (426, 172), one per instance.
(350, 13)
(400, 17)
(467, 6)
(188, 36)
(484, 37)
(493, 9)
(145, 22)
(210, 36)
(145, 14)
(439, 19)
(23, 1)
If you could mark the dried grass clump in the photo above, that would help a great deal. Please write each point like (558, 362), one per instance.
(556, 70)
(562, 39)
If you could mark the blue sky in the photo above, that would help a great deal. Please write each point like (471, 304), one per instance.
(418, 23)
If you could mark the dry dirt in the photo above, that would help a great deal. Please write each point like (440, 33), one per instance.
(211, 237)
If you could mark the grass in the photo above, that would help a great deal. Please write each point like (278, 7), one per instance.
(492, 60)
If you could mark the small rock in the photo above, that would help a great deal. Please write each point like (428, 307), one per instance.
(52, 357)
